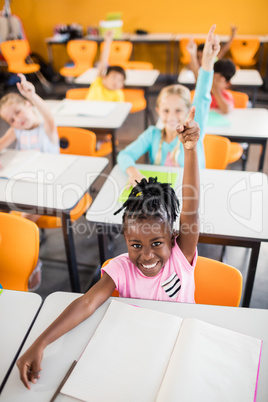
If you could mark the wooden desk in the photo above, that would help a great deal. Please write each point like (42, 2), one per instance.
(53, 197)
(59, 355)
(246, 125)
(107, 124)
(17, 313)
(250, 79)
(232, 211)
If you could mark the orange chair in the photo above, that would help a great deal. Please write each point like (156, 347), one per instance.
(19, 249)
(79, 141)
(120, 52)
(82, 53)
(15, 53)
(217, 150)
(240, 99)
(134, 96)
(216, 283)
(243, 51)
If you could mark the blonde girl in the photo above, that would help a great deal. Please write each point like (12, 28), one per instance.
(173, 106)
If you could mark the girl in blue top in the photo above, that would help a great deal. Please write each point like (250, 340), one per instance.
(173, 106)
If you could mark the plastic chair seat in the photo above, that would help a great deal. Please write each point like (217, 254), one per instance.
(243, 51)
(217, 151)
(120, 52)
(136, 97)
(15, 53)
(82, 53)
(236, 151)
(19, 250)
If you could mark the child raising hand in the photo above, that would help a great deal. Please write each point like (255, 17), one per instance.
(173, 107)
(27, 128)
(159, 265)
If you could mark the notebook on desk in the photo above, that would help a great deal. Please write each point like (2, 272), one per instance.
(162, 177)
(69, 107)
(138, 354)
(34, 166)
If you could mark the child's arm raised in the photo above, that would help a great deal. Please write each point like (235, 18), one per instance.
(104, 57)
(29, 364)
(193, 65)
(227, 45)
(211, 49)
(189, 218)
(27, 90)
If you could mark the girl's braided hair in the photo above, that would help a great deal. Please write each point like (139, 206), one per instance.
(151, 199)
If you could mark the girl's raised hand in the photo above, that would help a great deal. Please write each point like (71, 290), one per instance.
(25, 87)
(189, 132)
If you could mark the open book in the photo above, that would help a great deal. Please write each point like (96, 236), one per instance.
(142, 355)
(70, 107)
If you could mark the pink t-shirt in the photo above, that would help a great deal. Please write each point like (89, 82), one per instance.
(226, 95)
(175, 282)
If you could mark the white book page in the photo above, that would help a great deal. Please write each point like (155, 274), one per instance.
(126, 358)
(45, 168)
(211, 363)
(71, 107)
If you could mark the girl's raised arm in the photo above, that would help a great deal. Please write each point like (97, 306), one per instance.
(189, 218)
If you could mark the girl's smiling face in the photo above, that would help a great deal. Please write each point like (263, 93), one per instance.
(172, 111)
(149, 244)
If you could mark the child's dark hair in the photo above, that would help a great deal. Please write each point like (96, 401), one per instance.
(117, 69)
(226, 68)
(200, 47)
(151, 199)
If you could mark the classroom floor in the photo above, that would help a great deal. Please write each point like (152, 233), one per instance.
(52, 253)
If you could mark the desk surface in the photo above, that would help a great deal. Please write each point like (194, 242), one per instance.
(223, 38)
(241, 78)
(111, 121)
(226, 199)
(17, 311)
(59, 195)
(244, 123)
(59, 355)
(134, 78)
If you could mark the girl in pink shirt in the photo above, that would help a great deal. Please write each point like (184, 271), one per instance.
(159, 265)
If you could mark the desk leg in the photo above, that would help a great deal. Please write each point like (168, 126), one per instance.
(251, 274)
(113, 147)
(254, 96)
(70, 251)
(50, 54)
(146, 112)
(262, 157)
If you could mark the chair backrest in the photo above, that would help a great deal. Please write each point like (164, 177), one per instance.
(244, 50)
(82, 52)
(120, 51)
(77, 141)
(240, 98)
(76, 93)
(15, 53)
(216, 283)
(19, 249)
(217, 151)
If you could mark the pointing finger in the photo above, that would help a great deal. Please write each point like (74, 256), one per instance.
(211, 31)
(190, 116)
(22, 78)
